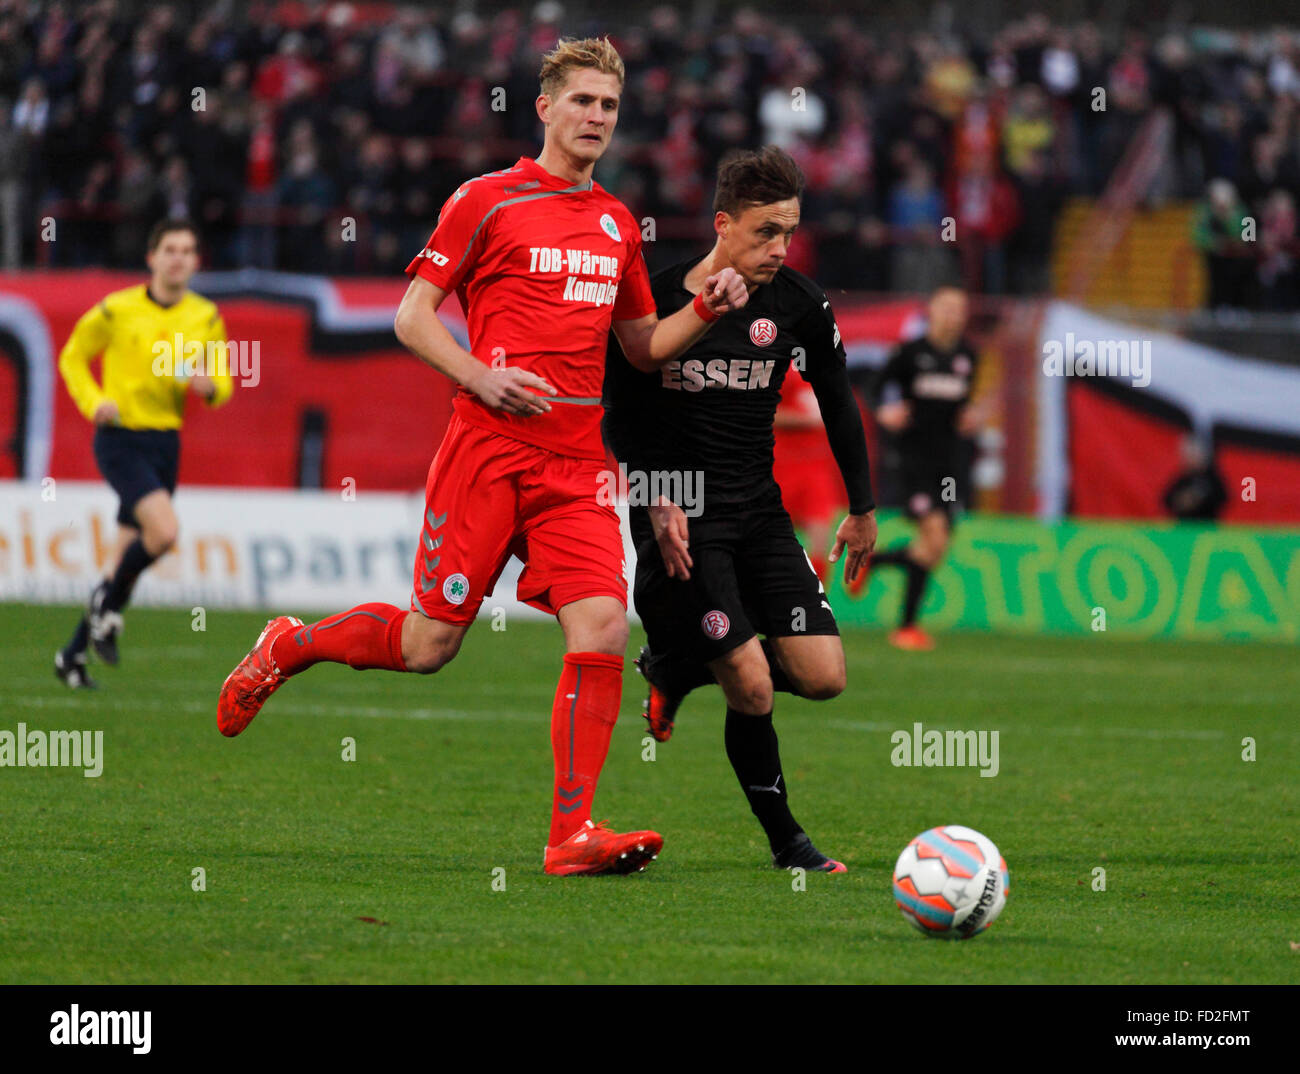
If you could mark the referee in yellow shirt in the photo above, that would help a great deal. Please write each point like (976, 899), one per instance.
(145, 334)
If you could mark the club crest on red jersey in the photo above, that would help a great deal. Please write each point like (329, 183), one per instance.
(715, 624)
(455, 589)
(610, 228)
(762, 332)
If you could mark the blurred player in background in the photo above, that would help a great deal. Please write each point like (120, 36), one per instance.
(922, 396)
(137, 413)
(707, 586)
(804, 467)
(1198, 493)
(543, 261)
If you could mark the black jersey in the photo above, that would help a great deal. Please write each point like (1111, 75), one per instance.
(937, 384)
(712, 409)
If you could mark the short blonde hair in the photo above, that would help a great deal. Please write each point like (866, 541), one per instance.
(570, 54)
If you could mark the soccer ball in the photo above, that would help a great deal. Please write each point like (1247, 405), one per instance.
(951, 882)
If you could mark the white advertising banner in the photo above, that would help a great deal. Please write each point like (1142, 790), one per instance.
(288, 551)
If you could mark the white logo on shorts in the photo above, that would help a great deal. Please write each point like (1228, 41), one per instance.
(715, 625)
(455, 589)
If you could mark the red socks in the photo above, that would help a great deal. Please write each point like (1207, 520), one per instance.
(582, 719)
(367, 636)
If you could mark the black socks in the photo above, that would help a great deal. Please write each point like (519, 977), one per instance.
(917, 577)
(752, 750)
(80, 639)
(134, 561)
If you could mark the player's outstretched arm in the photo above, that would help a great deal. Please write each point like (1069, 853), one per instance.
(650, 342)
(421, 331)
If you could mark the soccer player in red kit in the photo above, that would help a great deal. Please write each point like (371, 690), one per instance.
(543, 261)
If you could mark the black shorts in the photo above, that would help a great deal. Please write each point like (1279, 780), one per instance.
(136, 462)
(751, 576)
(932, 483)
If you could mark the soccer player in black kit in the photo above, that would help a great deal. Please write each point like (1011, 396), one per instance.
(922, 396)
(707, 586)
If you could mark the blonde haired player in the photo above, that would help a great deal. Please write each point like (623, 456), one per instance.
(543, 261)
(137, 412)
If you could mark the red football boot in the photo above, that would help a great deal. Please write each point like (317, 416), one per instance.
(912, 639)
(596, 848)
(254, 679)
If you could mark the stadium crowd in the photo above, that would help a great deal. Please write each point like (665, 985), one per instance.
(273, 125)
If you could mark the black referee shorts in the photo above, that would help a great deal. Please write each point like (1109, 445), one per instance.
(136, 462)
(751, 576)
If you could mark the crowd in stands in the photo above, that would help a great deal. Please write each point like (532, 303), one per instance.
(276, 124)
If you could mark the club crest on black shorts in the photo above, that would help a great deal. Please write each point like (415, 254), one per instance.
(715, 624)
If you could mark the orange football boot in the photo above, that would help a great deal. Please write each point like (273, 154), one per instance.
(254, 679)
(858, 585)
(660, 711)
(596, 848)
(911, 638)
(659, 708)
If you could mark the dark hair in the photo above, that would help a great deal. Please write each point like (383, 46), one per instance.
(756, 178)
(166, 227)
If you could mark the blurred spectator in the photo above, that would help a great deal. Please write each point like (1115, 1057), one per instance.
(1040, 196)
(257, 245)
(986, 210)
(32, 113)
(14, 152)
(1279, 246)
(915, 218)
(306, 195)
(1028, 128)
(1219, 230)
(140, 205)
(1198, 492)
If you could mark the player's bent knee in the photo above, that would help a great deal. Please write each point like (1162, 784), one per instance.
(750, 696)
(612, 637)
(431, 656)
(927, 554)
(159, 542)
(824, 687)
(595, 625)
(427, 649)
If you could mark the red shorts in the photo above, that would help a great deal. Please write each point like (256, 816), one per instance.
(811, 488)
(489, 497)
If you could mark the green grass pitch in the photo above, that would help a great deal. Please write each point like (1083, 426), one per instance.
(1114, 754)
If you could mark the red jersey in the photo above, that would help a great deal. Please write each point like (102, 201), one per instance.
(541, 268)
(801, 443)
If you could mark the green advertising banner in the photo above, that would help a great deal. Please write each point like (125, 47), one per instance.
(1185, 580)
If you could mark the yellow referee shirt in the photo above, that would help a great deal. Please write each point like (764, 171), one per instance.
(148, 349)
